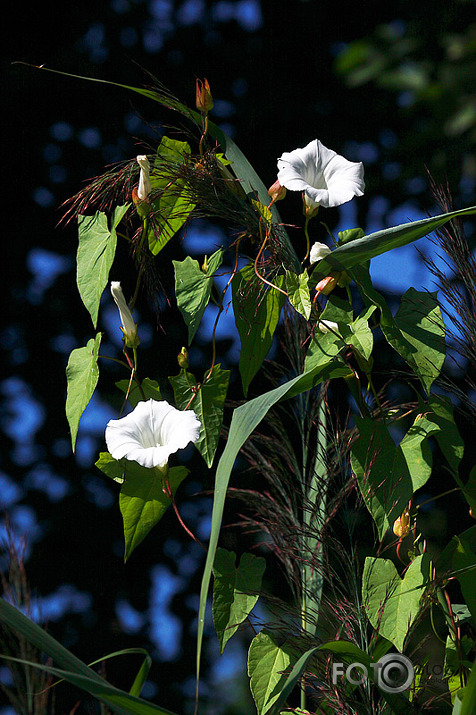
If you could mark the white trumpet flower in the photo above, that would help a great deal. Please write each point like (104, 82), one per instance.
(326, 178)
(151, 433)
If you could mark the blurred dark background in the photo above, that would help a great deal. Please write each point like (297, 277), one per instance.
(389, 84)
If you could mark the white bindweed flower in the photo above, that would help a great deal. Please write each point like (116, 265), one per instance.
(318, 252)
(151, 433)
(328, 326)
(326, 178)
(144, 179)
(129, 328)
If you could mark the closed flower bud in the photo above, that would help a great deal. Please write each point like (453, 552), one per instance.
(318, 252)
(327, 285)
(276, 191)
(129, 328)
(328, 326)
(203, 96)
(144, 187)
(182, 358)
(401, 526)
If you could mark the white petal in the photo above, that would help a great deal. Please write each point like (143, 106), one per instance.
(150, 457)
(179, 428)
(291, 171)
(327, 178)
(318, 252)
(151, 433)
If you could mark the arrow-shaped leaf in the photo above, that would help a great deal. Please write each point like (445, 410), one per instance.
(82, 374)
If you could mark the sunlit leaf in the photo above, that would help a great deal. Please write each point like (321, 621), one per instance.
(388, 475)
(360, 250)
(96, 250)
(173, 204)
(82, 375)
(193, 288)
(143, 501)
(393, 603)
(235, 591)
(207, 402)
(267, 663)
(112, 468)
(297, 289)
(150, 390)
(416, 332)
(257, 310)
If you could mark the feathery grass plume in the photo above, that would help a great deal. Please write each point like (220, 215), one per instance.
(308, 524)
(459, 290)
(30, 692)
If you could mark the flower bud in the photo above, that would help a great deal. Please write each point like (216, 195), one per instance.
(401, 526)
(143, 207)
(129, 328)
(328, 326)
(203, 96)
(182, 358)
(327, 285)
(276, 191)
(318, 252)
(144, 188)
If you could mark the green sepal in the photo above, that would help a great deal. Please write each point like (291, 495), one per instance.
(349, 234)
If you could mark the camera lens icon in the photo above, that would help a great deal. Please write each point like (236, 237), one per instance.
(394, 673)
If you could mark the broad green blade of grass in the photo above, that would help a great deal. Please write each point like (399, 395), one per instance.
(363, 249)
(119, 701)
(245, 419)
(72, 668)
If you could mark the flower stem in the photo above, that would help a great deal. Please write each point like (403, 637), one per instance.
(168, 492)
(306, 233)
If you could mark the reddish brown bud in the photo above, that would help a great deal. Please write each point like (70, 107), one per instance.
(203, 96)
(326, 285)
(276, 191)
